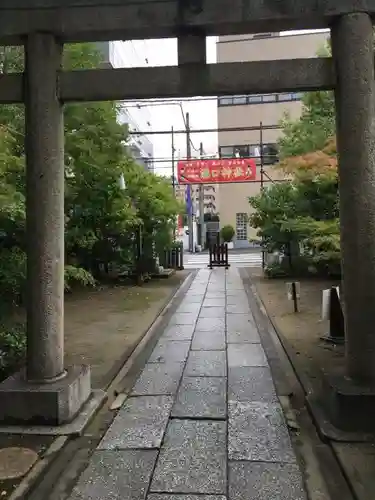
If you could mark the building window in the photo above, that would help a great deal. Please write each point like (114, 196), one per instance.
(226, 151)
(269, 98)
(263, 35)
(254, 150)
(241, 151)
(270, 152)
(241, 226)
(255, 99)
(225, 101)
(241, 100)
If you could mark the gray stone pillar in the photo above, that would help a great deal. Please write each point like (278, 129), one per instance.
(352, 46)
(45, 210)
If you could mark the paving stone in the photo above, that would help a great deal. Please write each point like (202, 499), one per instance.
(257, 481)
(178, 332)
(258, 432)
(214, 302)
(183, 319)
(246, 334)
(210, 324)
(201, 397)
(192, 458)
(199, 292)
(140, 423)
(212, 312)
(170, 351)
(248, 384)
(240, 322)
(215, 295)
(208, 341)
(215, 288)
(240, 355)
(235, 293)
(157, 496)
(115, 475)
(189, 307)
(206, 364)
(159, 379)
(240, 298)
(239, 308)
(193, 298)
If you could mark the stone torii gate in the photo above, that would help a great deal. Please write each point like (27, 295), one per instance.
(48, 393)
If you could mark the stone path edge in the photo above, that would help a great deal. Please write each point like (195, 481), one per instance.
(42, 466)
(145, 347)
(268, 328)
(277, 356)
(325, 431)
(165, 310)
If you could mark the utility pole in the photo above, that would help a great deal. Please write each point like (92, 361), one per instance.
(201, 205)
(189, 187)
(262, 182)
(173, 179)
(173, 166)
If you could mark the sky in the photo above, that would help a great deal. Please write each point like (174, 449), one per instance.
(165, 115)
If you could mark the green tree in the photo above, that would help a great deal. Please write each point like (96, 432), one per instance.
(301, 216)
(102, 218)
(316, 125)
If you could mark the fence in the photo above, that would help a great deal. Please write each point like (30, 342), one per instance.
(218, 255)
(173, 258)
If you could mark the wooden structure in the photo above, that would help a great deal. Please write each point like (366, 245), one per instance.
(173, 258)
(218, 256)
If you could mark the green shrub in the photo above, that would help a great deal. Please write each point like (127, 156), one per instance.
(227, 233)
(12, 349)
(12, 274)
(79, 276)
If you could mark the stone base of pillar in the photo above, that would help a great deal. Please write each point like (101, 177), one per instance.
(57, 403)
(350, 407)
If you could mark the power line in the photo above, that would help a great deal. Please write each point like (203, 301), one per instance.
(150, 102)
(209, 130)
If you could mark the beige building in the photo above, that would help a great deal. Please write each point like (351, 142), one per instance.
(210, 193)
(251, 111)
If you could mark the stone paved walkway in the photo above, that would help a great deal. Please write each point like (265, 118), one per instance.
(203, 420)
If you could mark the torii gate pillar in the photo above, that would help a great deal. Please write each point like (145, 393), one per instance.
(44, 392)
(351, 398)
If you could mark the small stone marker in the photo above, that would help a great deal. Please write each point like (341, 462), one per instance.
(336, 334)
(16, 462)
(293, 291)
(326, 301)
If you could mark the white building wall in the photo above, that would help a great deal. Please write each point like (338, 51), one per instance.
(130, 54)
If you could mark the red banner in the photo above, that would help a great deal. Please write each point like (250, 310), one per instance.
(216, 171)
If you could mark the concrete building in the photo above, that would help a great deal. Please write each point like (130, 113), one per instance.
(250, 111)
(131, 54)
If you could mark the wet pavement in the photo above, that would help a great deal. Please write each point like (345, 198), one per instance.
(203, 420)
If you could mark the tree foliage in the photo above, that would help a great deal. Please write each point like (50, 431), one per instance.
(310, 132)
(300, 218)
(102, 220)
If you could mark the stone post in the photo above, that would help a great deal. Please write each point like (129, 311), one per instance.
(45, 210)
(352, 46)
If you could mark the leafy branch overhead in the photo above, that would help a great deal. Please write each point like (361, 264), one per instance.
(101, 218)
(300, 218)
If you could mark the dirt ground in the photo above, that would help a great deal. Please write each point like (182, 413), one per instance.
(301, 334)
(102, 328)
(302, 330)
